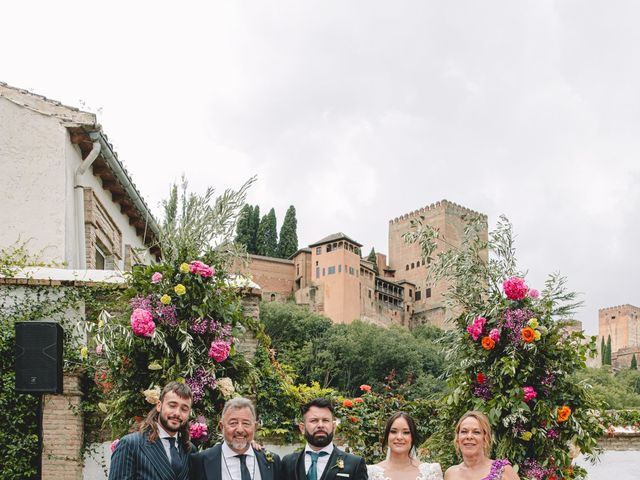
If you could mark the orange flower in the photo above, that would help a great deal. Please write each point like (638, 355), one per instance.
(353, 419)
(563, 413)
(528, 334)
(358, 400)
(488, 343)
(347, 403)
(365, 388)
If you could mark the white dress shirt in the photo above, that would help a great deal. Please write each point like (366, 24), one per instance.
(231, 464)
(322, 461)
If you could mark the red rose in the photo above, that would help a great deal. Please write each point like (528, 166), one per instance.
(354, 419)
(365, 388)
(358, 400)
(347, 403)
(481, 378)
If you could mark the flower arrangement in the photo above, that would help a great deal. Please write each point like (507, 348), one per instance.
(182, 323)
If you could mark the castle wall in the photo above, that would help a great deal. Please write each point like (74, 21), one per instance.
(275, 276)
(622, 323)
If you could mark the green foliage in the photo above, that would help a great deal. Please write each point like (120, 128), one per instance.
(607, 360)
(254, 226)
(613, 390)
(372, 258)
(267, 241)
(603, 351)
(520, 344)
(288, 243)
(634, 363)
(194, 224)
(244, 233)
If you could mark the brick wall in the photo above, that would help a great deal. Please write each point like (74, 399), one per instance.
(62, 433)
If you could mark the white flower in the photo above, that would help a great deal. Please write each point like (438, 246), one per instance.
(152, 395)
(225, 385)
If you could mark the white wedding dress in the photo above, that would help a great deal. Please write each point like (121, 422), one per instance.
(426, 471)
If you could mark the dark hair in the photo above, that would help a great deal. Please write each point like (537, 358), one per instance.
(316, 402)
(412, 428)
(151, 422)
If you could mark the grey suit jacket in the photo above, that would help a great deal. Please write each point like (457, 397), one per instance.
(136, 458)
(207, 465)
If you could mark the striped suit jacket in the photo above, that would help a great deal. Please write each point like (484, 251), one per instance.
(136, 458)
(207, 465)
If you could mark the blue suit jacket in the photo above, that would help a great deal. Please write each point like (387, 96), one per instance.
(136, 458)
(207, 465)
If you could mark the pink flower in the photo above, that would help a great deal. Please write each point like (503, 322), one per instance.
(99, 348)
(515, 288)
(198, 430)
(529, 393)
(219, 350)
(533, 293)
(202, 269)
(475, 329)
(494, 334)
(156, 277)
(114, 444)
(142, 323)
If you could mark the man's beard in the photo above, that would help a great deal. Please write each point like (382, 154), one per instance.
(239, 443)
(319, 442)
(164, 421)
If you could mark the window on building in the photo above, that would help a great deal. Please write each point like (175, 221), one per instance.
(351, 271)
(427, 293)
(318, 250)
(407, 266)
(323, 271)
(298, 269)
(331, 270)
(317, 272)
(418, 295)
(340, 268)
(369, 293)
(273, 297)
(413, 265)
(100, 258)
(418, 263)
(410, 293)
(328, 248)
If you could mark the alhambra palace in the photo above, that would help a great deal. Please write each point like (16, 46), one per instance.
(331, 278)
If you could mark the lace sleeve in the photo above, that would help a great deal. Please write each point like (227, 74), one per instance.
(375, 472)
(429, 471)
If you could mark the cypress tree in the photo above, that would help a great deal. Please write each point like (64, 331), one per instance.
(603, 352)
(608, 350)
(243, 228)
(268, 235)
(634, 362)
(372, 258)
(254, 225)
(288, 244)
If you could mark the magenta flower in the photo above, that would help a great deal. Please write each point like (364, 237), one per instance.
(114, 444)
(533, 293)
(142, 323)
(494, 335)
(199, 268)
(515, 288)
(156, 277)
(219, 350)
(198, 430)
(529, 393)
(476, 328)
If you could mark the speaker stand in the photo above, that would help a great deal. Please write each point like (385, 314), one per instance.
(39, 411)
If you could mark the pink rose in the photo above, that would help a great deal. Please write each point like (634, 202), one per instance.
(114, 444)
(219, 350)
(476, 328)
(515, 288)
(142, 323)
(202, 269)
(529, 393)
(494, 334)
(533, 293)
(99, 348)
(198, 430)
(156, 277)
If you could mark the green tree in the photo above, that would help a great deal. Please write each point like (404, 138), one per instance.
(244, 233)
(608, 358)
(634, 363)
(372, 258)
(255, 224)
(603, 351)
(288, 244)
(267, 242)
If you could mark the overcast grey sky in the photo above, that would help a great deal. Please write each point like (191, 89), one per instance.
(359, 111)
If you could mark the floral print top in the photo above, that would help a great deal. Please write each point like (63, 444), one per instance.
(426, 471)
(497, 467)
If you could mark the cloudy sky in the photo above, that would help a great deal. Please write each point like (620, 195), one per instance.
(359, 111)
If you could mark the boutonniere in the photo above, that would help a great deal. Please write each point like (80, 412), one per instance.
(340, 463)
(268, 456)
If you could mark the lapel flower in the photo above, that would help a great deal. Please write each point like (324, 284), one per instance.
(268, 456)
(340, 463)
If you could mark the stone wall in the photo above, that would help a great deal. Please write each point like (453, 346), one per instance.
(621, 441)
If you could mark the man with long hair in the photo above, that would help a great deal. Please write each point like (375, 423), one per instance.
(160, 450)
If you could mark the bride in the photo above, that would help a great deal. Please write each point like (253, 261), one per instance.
(400, 438)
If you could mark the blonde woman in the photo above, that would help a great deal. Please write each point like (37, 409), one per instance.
(400, 438)
(473, 442)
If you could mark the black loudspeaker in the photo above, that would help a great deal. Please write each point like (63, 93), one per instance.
(38, 357)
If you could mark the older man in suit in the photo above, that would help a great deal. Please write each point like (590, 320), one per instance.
(235, 458)
(160, 450)
(321, 459)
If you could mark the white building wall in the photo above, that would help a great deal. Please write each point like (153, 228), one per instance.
(32, 156)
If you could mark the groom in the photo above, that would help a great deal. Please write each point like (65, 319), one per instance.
(321, 459)
(235, 459)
